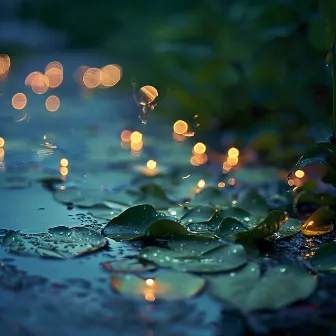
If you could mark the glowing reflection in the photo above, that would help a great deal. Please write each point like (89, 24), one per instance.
(126, 135)
(2, 142)
(136, 146)
(52, 103)
(150, 282)
(4, 64)
(233, 152)
(226, 167)
(232, 160)
(151, 164)
(92, 78)
(201, 184)
(111, 75)
(194, 160)
(64, 162)
(149, 290)
(136, 137)
(290, 183)
(232, 181)
(2, 153)
(310, 228)
(64, 171)
(19, 101)
(199, 148)
(178, 137)
(180, 127)
(40, 84)
(299, 173)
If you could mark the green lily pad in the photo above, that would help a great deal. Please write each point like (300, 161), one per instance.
(201, 228)
(127, 265)
(132, 223)
(154, 195)
(193, 245)
(168, 285)
(270, 225)
(230, 227)
(319, 222)
(252, 202)
(290, 228)
(239, 214)
(324, 258)
(176, 212)
(59, 242)
(104, 212)
(198, 214)
(222, 258)
(211, 196)
(279, 287)
(166, 228)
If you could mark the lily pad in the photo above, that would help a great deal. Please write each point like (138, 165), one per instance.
(252, 202)
(319, 222)
(279, 287)
(127, 265)
(60, 242)
(222, 258)
(168, 285)
(198, 214)
(79, 197)
(239, 214)
(270, 225)
(230, 227)
(324, 258)
(166, 228)
(211, 196)
(290, 228)
(132, 223)
(193, 245)
(104, 212)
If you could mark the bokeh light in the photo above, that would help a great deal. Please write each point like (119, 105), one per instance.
(64, 162)
(92, 78)
(150, 282)
(147, 94)
(233, 152)
(4, 64)
(126, 135)
(199, 148)
(232, 160)
(232, 181)
(55, 77)
(64, 171)
(136, 137)
(180, 127)
(2, 153)
(111, 75)
(221, 184)
(299, 173)
(40, 83)
(31, 76)
(151, 164)
(52, 103)
(226, 167)
(202, 158)
(2, 142)
(194, 160)
(201, 184)
(19, 101)
(54, 65)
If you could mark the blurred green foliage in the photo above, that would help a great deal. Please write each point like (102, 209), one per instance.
(231, 62)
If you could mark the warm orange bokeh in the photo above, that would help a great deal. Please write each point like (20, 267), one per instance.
(233, 152)
(299, 173)
(2, 142)
(54, 65)
(136, 137)
(148, 94)
(4, 64)
(40, 83)
(111, 75)
(180, 127)
(126, 135)
(151, 164)
(19, 101)
(55, 77)
(92, 78)
(64, 162)
(52, 103)
(199, 148)
(31, 76)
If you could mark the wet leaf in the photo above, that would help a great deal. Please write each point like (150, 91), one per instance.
(193, 245)
(79, 197)
(252, 202)
(168, 285)
(319, 222)
(176, 212)
(290, 228)
(239, 214)
(166, 228)
(60, 242)
(132, 223)
(324, 258)
(198, 214)
(222, 258)
(248, 291)
(211, 196)
(230, 227)
(104, 212)
(270, 225)
(127, 265)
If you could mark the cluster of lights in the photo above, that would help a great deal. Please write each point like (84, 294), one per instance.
(232, 159)
(4, 65)
(2, 152)
(105, 77)
(199, 156)
(296, 181)
(149, 290)
(64, 171)
(133, 140)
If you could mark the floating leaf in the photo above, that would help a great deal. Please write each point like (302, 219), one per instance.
(198, 214)
(222, 258)
(132, 223)
(79, 197)
(127, 265)
(193, 245)
(166, 228)
(252, 202)
(176, 212)
(239, 214)
(230, 227)
(168, 285)
(212, 196)
(324, 258)
(264, 229)
(290, 228)
(104, 212)
(319, 222)
(60, 242)
(279, 287)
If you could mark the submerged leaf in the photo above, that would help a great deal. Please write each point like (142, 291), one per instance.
(279, 287)
(132, 223)
(324, 258)
(319, 222)
(60, 242)
(168, 285)
(265, 228)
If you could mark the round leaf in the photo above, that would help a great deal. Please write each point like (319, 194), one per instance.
(166, 228)
(290, 228)
(230, 227)
(324, 258)
(198, 214)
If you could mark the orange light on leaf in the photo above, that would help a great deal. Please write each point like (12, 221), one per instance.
(92, 78)
(136, 137)
(19, 101)
(111, 75)
(180, 127)
(233, 152)
(199, 148)
(52, 103)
